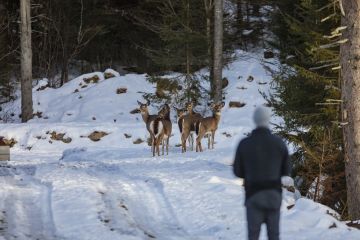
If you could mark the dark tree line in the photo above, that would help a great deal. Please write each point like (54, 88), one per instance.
(153, 36)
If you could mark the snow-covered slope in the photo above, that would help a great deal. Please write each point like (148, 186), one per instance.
(114, 189)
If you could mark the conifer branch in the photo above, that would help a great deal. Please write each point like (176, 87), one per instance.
(338, 29)
(334, 44)
(334, 100)
(328, 17)
(327, 103)
(326, 6)
(341, 8)
(332, 36)
(323, 66)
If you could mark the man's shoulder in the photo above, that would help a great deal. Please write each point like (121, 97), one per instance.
(279, 140)
(245, 140)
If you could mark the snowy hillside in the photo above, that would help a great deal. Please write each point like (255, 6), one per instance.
(63, 184)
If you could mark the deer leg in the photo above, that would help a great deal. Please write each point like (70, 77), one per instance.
(191, 137)
(158, 145)
(213, 138)
(153, 145)
(163, 145)
(167, 146)
(200, 147)
(208, 137)
(183, 141)
(198, 143)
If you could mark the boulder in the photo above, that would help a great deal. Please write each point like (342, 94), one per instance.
(235, 104)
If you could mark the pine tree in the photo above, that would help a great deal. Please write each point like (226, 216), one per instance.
(307, 97)
(181, 27)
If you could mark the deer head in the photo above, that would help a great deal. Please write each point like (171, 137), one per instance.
(164, 112)
(189, 106)
(217, 107)
(143, 107)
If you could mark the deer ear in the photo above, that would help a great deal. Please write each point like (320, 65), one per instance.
(139, 102)
(222, 104)
(148, 102)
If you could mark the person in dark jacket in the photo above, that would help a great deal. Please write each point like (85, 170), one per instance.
(261, 159)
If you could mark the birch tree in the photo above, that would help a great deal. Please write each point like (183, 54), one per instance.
(26, 61)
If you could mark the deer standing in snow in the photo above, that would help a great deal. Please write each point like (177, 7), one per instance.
(164, 115)
(208, 126)
(154, 126)
(189, 123)
(181, 113)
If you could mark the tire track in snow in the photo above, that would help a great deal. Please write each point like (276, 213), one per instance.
(115, 215)
(25, 205)
(142, 201)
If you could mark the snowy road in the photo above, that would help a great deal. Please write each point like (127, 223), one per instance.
(62, 185)
(125, 194)
(118, 195)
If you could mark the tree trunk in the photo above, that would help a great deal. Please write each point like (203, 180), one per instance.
(218, 49)
(350, 69)
(66, 45)
(187, 49)
(209, 8)
(26, 62)
(239, 20)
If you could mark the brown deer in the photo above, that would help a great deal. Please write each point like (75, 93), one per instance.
(154, 126)
(209, 125)
(181, 113)
(189, 123)
(164, 115)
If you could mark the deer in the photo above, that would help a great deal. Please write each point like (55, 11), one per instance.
(154, 125)
(164, 115)
(181, 113)
(209, 126)
(189, 123)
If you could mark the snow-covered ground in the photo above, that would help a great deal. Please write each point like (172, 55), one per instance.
(114, 189)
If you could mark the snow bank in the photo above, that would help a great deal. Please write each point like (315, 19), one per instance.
(61, 184)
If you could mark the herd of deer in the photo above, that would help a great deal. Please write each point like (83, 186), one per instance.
(160, 127)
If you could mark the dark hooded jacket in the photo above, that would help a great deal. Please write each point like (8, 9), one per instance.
(261, 159)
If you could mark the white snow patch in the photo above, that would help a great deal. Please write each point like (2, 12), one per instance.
(114, 189)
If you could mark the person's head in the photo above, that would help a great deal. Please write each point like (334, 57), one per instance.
(262, 117)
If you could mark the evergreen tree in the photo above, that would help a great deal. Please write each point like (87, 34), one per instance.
(307, 97)
(181, 27)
